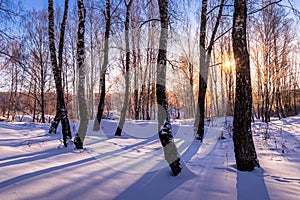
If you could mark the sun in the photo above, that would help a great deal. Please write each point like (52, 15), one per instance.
(228, 64)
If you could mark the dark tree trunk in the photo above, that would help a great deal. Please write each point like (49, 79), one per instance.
(42, 91)
(267, 104)
(199, 119)
(277, 103)
(295, 99)
(57, 68)
(280, 107)
(204, 64)
(135, 62)
(103, 70)
(42, 64)
(164, 126)
(127, 64)
(259, 92)
(55, 122)
(142, 100)
(83, 112)
(148, 100)
(34, 102)
(136, 90)
(136, 104)
(245, 154)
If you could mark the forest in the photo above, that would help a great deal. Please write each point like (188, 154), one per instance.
(151, 60)
(28, 83)
(149, 99)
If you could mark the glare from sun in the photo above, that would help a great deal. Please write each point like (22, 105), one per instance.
(228, 64)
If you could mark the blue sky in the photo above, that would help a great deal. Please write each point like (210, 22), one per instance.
(39, 4)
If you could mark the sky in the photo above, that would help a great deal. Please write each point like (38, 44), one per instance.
(38, 4)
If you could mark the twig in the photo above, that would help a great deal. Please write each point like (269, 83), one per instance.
(147, 21)
(223, 34)
(258, 10)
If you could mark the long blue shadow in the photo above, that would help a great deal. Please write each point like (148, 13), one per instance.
(41, 172)
(191, 151)
(156, 184)
(23, 158)
(251, 185)
(23, 125)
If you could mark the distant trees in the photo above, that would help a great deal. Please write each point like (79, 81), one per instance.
(95, 28)
(35, 91)
(15, 77)
(145, 58)
(186, 71)
(11, 54)
(38, 74)
(271, 47)
(296, 77)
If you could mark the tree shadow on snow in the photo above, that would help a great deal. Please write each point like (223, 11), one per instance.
(156, 184)
(251, 185)
(39, 156)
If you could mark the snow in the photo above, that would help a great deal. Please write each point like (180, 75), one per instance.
(133, 167)
(25, 118)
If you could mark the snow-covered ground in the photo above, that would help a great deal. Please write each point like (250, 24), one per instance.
(132, 166)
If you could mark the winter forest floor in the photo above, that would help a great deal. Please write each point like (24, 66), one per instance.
(33, 166)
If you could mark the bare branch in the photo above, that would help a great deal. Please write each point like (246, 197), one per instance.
(171, 62)
(217, 64)
(9, 11)
(149, 20)
(222, 34)
(114, 10)
(264, 7)
(14, 58)
(214, 8)
(212, 40)
(295, 11)
(6, 35)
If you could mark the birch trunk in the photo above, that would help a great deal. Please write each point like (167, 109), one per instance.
(57, 69)
(245, 154)
(205, 56)
(83, 112)
(104, 69)
(164, 126)
(127, 65)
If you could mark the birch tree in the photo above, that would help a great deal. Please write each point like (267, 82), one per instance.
(83, 112)
(205, 56)
(57, 68)
(127, 65)
(271, 47)
(164, 125)
(245, 154)
(37, 38)
(104, 68)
